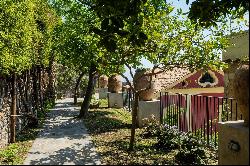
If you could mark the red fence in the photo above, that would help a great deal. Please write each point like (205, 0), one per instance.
(198, 114)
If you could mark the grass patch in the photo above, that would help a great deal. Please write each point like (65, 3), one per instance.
(15, 153)
(110, 131)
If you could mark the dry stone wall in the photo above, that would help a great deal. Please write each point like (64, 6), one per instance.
(32, 88)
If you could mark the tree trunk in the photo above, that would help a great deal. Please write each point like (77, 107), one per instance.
(88, 94)
(35, 89)
(13, 111)
(28, 92)
(40, 98)
(76, 87)
(51, 85)
(22, 88)
(134, 121)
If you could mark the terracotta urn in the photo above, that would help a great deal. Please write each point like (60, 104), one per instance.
(115, 83)
(103, 81)
(142, 81)
(241, 91)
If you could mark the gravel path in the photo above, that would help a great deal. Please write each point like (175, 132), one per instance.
(64, 140)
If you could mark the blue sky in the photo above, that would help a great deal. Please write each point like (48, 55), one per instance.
(185, 8)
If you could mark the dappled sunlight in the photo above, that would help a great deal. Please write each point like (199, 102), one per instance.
(63, 139)
(74, 154)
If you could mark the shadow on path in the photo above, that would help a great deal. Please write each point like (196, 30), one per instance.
(63, 140)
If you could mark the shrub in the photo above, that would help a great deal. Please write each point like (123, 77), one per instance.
(168, 138)
(94, 103)
(8, 155)
(192, 151)
(151, 129)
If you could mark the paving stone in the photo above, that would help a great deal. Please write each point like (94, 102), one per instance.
(63, 140)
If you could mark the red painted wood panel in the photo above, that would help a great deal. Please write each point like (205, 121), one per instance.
(193, 81)
(198, 107)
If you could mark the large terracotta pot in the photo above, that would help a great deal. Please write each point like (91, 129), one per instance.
(241, 91)
(103, 81)
(115, 84)
(142, 82)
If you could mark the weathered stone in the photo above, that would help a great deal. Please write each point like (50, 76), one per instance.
(142, 81)
(147, 109)
(115, 100)
(103, 93)
(241, 91)
(231, 132)
(115, 84)
(103, 81)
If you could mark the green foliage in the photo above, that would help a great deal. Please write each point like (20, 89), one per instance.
(168, 138)
(104, 120)
(103, 103)
(16, 29)
(25, 33)
(173, 114)
(109, 129)
(191, 149)
(152, 128)
(122, 19)
(208, 13)
(8, 155)
(94, 103)
(66, 78)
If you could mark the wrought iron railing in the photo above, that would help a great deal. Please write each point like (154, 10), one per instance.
(128, 100)
(197, 114)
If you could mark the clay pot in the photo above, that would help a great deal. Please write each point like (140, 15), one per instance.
(115, 84)
(142, 82)
(241, 91)
(103, 81)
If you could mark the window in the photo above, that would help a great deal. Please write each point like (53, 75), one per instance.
(206, 78)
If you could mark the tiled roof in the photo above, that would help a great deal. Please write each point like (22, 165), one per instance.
(167, 78)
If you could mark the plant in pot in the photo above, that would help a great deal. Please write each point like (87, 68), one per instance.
(115, 83)
(143, 80)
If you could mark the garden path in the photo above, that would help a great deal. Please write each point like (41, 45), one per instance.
(63, 140)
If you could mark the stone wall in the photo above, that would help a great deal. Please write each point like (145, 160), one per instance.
(4, 112)
(32, 92)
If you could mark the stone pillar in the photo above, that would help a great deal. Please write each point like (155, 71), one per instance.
(233, 143)
(229, 75)
(103, 93)
(115, 100)
(147, 109)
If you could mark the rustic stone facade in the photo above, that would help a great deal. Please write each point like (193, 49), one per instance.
(234, 56)
(31, 94)
(4, 113)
